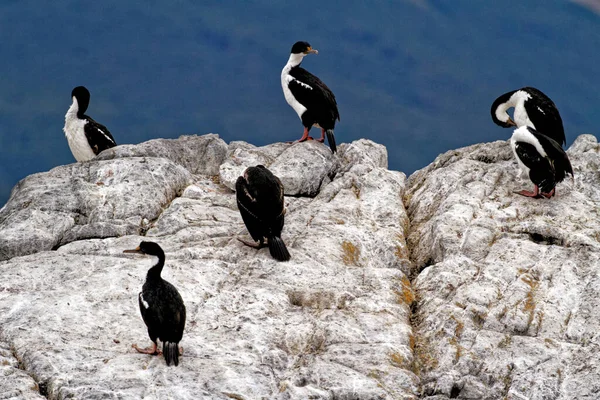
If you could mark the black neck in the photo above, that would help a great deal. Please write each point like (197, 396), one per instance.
(154, 272)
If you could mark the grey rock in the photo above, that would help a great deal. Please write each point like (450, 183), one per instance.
(508, 286)
(87, 200)
(198, 154)
(302, 167)
(332, 323)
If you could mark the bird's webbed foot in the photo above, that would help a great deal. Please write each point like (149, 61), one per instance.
(255, 245)
(153, 350)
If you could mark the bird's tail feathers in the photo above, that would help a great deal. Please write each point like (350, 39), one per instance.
(331, 140)
(278, 249)
(171, 353)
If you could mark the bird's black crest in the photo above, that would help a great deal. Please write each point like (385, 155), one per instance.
(300, 47)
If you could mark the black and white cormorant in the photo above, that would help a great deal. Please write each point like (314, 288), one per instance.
(532, 108)
(161, 306)
(86, 137)
(260, 201)
(544, 159)
(311, 99)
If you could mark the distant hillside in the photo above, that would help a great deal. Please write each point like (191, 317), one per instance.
(416, 76)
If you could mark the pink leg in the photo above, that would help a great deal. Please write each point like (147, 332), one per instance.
(322, 136)
(305, 136)
(148, 350)
(534, 194)
(253, 244)
(550, 194)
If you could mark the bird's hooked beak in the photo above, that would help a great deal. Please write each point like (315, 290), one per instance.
(311, 51)
(510, 122)
(137, 250)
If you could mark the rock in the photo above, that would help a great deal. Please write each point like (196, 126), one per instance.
(198, 154)
(302, 167)
(87, 200)
(508, 286)
(471, 292)
(331, 323)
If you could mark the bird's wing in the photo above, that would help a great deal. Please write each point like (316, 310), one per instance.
(311, 91)
(98, 136)
(558, 157)
(249, 208)
(149, 315)
(541, 169)
(545, 116)
(279, 220)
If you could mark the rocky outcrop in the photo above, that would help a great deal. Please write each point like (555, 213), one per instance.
(470, 292)
(331, 323)
(508, 288)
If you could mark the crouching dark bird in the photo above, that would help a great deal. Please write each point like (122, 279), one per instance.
(544, 159)
(86, 137)
(161, 306)
(532, 108)
(260, 201)
(311, 99)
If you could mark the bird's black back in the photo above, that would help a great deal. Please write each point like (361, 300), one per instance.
(260, 201)
(544, 115)
(558, 157)
(541, 171)
(319, 101)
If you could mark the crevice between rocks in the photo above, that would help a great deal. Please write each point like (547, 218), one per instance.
(39, 386)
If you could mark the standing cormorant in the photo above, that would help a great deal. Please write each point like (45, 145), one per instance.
(311, 99)
(161, 306)
(260, 201)
(86, 137)
(532, 108)
(545, 160)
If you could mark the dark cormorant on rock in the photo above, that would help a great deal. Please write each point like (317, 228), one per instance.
(311, 99)
(260, 201)
(161, 306)
(86, 137)
(532, 108)
(544, 159)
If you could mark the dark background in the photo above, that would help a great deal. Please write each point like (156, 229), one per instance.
(418, 76)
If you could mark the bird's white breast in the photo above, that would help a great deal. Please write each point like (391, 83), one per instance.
(289, 97)
(74, 131)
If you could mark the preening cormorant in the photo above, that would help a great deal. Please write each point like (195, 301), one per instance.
(260, 201)
(532, 108)
(86, 137)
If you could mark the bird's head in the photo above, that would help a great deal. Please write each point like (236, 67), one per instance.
(82, 95)
(303, 48)
(500, 106)
(148, 248)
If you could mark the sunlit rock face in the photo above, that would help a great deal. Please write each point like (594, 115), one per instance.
(445, 285)
(508, 287)
(334, 322)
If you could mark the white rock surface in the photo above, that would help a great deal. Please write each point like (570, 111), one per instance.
(302, 167)
(333, 323)
(508, 287)
(504, 301)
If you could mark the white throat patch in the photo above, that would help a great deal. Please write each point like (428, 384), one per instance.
(286, 78)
